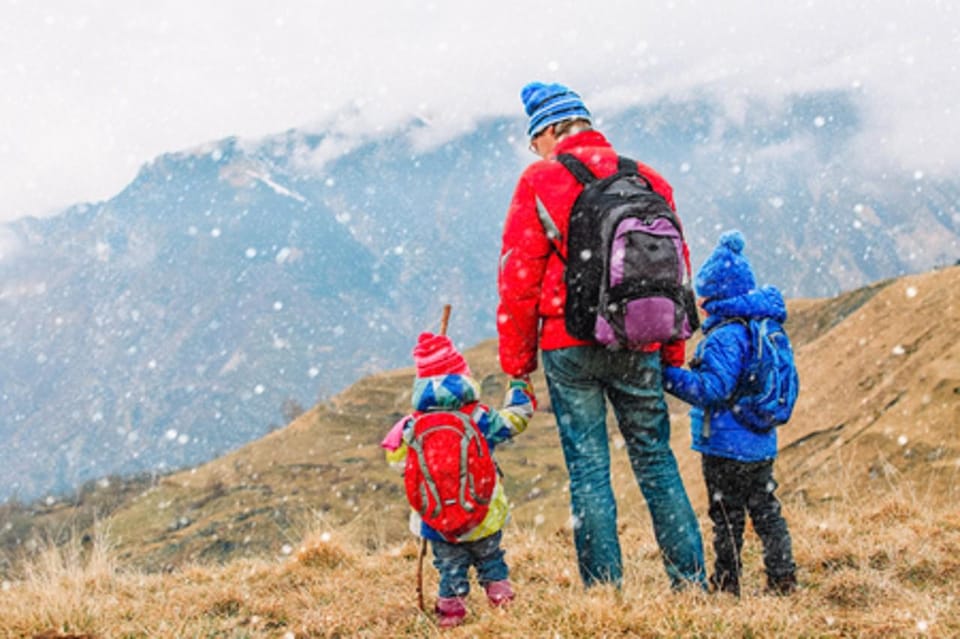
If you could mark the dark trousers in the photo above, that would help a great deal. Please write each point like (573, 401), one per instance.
(735, 489)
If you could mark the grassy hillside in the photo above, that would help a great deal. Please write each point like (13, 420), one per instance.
(889, 568)
(304, 531)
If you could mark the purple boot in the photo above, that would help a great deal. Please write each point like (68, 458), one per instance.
(451, 611)
(499, 593)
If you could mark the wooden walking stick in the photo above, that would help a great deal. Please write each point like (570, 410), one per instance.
(444, 320)
(423, 552)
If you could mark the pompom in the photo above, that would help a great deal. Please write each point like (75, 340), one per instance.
(733, 240)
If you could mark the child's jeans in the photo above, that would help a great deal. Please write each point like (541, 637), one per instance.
(735, 489)
(453, 561)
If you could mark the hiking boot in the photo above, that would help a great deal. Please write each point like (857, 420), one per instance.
(782, 586)
(499, 593)
(451, 611)
(727, 584)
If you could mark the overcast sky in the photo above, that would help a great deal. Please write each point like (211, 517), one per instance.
(92, 90)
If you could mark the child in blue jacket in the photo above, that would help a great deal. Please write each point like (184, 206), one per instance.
(737, 461)
(443, 383)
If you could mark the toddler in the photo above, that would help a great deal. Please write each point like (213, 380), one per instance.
(737, 461)
(443, 390)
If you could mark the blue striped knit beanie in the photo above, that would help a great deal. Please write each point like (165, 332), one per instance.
(548, 104)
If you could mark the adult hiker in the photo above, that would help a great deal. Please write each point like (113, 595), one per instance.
(581, 372)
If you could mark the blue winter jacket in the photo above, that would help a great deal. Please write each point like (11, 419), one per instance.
(710, 383)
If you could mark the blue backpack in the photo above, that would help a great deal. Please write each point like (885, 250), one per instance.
(769, 385)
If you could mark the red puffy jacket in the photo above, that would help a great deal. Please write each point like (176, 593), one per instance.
(530, 281)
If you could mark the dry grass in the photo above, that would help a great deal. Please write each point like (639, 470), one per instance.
(310, 522)
(884, 569)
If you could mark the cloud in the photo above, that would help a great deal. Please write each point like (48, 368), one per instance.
(94, 90)
(9, 244)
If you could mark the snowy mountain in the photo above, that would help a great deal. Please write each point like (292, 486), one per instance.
(231, 286)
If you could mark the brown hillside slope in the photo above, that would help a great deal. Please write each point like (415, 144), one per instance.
(880, 399)
(868, 470)
(879, 407)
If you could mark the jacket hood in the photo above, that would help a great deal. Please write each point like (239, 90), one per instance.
(756, 304)
(444, 392)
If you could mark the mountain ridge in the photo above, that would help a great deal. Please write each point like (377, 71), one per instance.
(231, 283)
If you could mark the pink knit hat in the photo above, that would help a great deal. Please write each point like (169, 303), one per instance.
(436, 355)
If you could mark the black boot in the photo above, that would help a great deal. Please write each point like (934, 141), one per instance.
(782, 586)
(726, 582)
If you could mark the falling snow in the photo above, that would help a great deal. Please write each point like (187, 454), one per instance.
(219, 306)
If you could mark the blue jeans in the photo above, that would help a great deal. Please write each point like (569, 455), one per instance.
(580, 379)
(453, 561)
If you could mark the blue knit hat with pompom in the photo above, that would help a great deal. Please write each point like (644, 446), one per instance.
(727, 272)
(548, 104)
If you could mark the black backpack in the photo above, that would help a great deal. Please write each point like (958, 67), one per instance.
(626, 278)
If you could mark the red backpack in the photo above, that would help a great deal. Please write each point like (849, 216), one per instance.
(450, 474)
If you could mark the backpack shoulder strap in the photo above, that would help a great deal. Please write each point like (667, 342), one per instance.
(631, 168)
(577, 168)
(585, 176)
(475, 410)
(738, 391)
(730, 320)
(626, 165)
